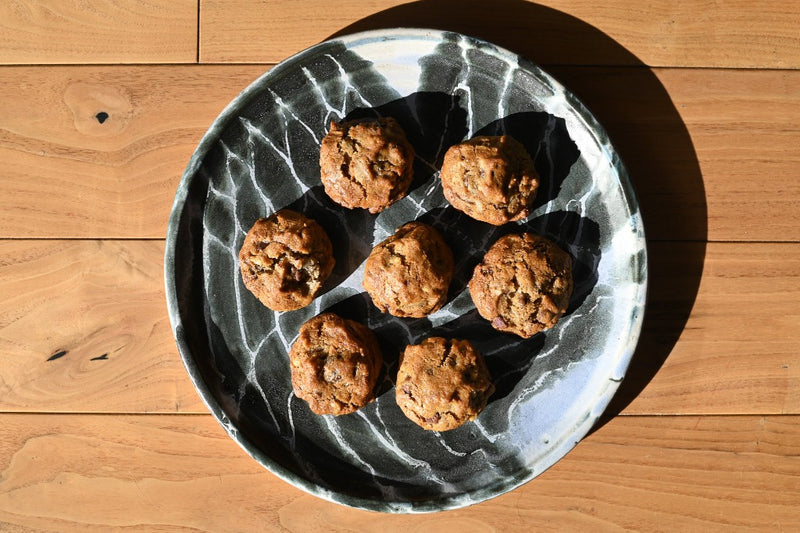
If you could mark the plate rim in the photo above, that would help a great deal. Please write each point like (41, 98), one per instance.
(553, 455)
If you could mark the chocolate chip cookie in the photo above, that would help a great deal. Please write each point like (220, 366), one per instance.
(523, 284)
(285, 259)
(335, 364)
(491, 179)
(442, 383)
(409, 273)
(367, 164)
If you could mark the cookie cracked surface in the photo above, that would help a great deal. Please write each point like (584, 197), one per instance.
(366, 164)
(523, 284)
(335, 364)
(490, 178)
(442, 383)
(409, 274)
(285, 259)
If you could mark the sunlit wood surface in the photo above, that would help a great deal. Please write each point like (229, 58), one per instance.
(101, 106)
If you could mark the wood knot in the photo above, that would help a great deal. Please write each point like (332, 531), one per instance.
(98, 109)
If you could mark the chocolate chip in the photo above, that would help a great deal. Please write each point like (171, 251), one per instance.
(434, 419)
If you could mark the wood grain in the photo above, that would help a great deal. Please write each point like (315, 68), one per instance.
(67, 174)
(96, 31)
(738, 351)
(684, 33)
(90, 298)
(713, 153)
(83, 327)
(182, 472)
(718, 161)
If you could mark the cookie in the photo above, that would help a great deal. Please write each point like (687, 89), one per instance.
(285, 259)
(442, 383)
(367, 164)
(408, 274)
(335, 364)
(523, 284)
(491, 179)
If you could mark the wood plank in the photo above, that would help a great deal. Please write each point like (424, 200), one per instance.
(182, 472)
(731, 350)
(685, 33)
(738, 351)
(713, 153)
(83, 327)
(704, 148)
(98, 31)
(67, 174)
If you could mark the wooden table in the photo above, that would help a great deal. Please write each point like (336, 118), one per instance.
(101, 106)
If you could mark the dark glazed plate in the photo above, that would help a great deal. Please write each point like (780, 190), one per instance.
(261, 155)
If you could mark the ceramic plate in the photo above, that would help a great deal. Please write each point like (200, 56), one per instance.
(261, 155)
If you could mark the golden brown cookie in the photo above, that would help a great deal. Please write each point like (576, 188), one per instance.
(523, 285)
(335, 364)
(491, 179)
(366, 163)
(285, 259)
(409, 273)
(442, 383)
